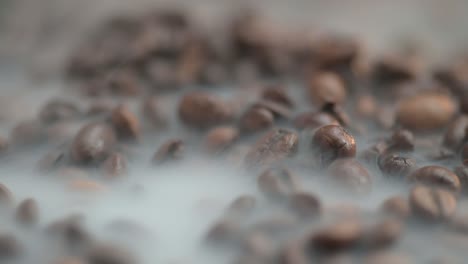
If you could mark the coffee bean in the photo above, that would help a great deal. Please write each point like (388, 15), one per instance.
(9, 246)
(153, 113)
(335, 237)
(326, 87)
(314, 120)
(402, 140)
(396, 68)
(335, 51)
(274, 146)
(126, 124)
(28, 133)
(70, 232)
(436, 176)
(278, 95)
(397, 206)
(383, 233)
(432, 204)
(243, 205)
(455, 132)
(115, 166)
(256, 119)
(350, 175)
(305, 204)
(395, 166)
(462, 174)
(171, 150)
(278, 110)
(418, 113)
(202, 110)
(58, 110)
(27, 212)
(277, 183)
(220, 138)
(93, 143)
(332, 142)
(109, 254)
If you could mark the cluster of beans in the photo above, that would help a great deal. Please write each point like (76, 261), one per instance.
(282, 106)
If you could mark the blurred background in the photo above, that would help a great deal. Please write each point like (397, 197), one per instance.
(37, 34)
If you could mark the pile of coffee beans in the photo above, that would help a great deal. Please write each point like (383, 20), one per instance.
(343, 157)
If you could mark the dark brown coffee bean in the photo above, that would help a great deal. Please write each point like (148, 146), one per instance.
(243, 205)
(305, 204)
(395, 166)
(153, 113)
(6, 196)
(28, 133)
(350, 175)
(109, 254)
(274, 146)
(27, 212)
(462, 174)
(436, 176)
(314, 120)
(115, 166)
(93, 143)
(203, 110)
(169, 151)
(418, 113)
(339, 236)
(455, 133)
(338, 113)
(396, 68)
(220, 138)
(126, 124)
(9, 246)
(58, 110)
(332, 142)
(278, 95)
(277, 183)
(402, 140)
(432, 204)
(326, 87)
(397, 206)
(336, 51)
(382, 234)
(256, 119)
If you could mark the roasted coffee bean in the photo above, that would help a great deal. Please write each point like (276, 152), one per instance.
(350, 175)
(126, 124)
(171, 150)
(6, 196)
(402, 140)
(314, 120)
(109, 254)
(455, 133)
(436, 176)
(326, 87)
(115, 166)
(305, 204)
(338, 113)
(418, 113)
(462, 174)
(278, 95)
(338, 236)
(28, 133)
(93, 143)
(256, 119)
(332, 142)
(9, 246)
(274, 146)
(27, 212)
(154, 114)
(277, 183)
(58, 110)
(396, 68)
(432, 204)
(397, 206)
(396, 166)
(335, 51)
(220, 138)
(202, 110)
(243, 205)
(70, 231)
(383, 233)
(278, 110)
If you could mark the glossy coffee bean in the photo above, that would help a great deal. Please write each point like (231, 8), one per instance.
(171, 150)
(432, 204)
(436, 176)
(332, 142)
(126, 124)
(93, 143)
(338, 236)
